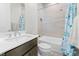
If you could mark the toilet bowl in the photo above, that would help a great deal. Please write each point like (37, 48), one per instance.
(49, 46)
(45, 49)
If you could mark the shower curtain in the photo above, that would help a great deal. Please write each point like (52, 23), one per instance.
(67, 45)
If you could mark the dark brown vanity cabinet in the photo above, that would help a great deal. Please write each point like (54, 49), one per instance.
(27, 49)
(32, 52)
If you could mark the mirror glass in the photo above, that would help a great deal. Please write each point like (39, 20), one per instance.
(12, 18)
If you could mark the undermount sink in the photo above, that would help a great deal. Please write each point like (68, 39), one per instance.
(15, 38)
(12, 37)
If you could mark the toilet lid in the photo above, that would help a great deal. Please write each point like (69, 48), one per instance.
(44, 46)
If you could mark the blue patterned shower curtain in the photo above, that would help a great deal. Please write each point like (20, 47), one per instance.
(66, 45)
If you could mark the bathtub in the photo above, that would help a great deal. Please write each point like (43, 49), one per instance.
(54, 42)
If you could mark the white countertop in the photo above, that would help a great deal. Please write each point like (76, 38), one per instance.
(8, 44)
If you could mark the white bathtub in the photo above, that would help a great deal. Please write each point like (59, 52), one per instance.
(54, 42)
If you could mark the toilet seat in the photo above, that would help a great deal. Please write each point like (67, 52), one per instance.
(44, 47)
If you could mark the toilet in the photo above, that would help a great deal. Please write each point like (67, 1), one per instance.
(49, 46)
(45, 49)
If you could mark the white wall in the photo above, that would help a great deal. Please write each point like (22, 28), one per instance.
(78, 8)
(77, 24)
(53, 19)
(5, 17)
(31, 18)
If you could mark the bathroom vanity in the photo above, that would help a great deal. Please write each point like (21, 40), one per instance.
(21, 46)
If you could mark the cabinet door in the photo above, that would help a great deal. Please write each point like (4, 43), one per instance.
(2, 55)
(32, 52)
(19, 51)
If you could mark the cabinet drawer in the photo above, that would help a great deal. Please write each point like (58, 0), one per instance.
(32, 52)
(22, 49)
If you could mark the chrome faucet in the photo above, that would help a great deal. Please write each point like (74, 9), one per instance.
(9, 33)
(17, 33)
